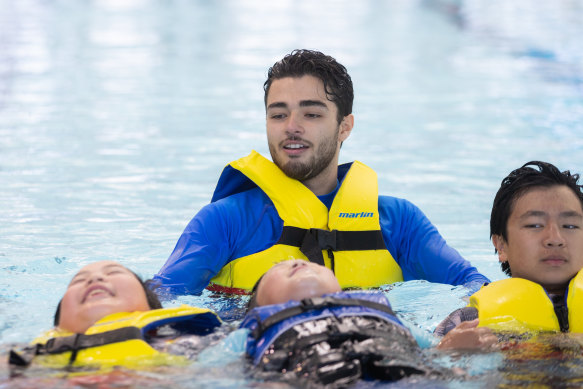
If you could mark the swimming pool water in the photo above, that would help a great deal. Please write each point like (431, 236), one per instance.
(117, 116)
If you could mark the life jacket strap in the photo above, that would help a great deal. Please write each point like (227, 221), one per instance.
(73, 343)
(315, 303)
(81, 341)
(24, 357)
(312, 241)
(563, 317)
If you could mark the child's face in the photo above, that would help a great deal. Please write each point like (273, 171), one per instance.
(295, 280)
(97, 290)
(545, 237)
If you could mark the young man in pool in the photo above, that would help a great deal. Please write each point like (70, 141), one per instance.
(536, 227)
(303, 205)
(302, 326)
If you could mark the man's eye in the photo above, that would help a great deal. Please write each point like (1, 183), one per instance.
(313, 115)
(277, 116)
(571, 226)
(77, 281)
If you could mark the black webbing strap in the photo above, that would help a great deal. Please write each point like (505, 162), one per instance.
(312, 241)
(563, 317)
(75, 343)
(313, 304)
(24, 357)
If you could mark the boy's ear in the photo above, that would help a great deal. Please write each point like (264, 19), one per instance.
(501, 246)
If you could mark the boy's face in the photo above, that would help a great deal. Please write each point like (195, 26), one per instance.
(545, 237)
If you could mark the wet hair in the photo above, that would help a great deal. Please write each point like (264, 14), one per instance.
(532, 175)
(151, 298)
(337, 82)
(252, 303)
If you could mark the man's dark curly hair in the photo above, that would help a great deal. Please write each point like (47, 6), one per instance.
(337, 82)
(532, 175)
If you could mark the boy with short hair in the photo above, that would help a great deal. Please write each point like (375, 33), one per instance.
(536, 227)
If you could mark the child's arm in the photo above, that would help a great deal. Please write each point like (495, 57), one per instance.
(468, 336)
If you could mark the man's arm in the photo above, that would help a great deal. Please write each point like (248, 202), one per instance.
(201, 251)
(419, 249)
(231, 228)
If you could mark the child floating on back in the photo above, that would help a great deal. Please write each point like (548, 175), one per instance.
(303, 326)
(108, 317)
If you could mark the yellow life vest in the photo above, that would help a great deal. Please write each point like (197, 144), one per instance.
(120, 339)
(519, 305)
(346, 239)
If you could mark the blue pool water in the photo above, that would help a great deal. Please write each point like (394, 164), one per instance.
(117, 116)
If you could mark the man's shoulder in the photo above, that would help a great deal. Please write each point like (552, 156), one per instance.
(249, 197)
(396, 209)
(395, 202)
(248, 205)
(241, 209)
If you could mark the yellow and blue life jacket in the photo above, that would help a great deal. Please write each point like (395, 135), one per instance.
(119, 339)
(519, 305)
(347, 238)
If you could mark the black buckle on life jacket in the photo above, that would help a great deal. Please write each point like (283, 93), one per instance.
(312, 241)
(315, 240)
(326, 239)
(24, 357)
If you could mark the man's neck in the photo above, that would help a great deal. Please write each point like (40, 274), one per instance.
(325, 182)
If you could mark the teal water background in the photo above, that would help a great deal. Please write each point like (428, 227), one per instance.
(117, 116)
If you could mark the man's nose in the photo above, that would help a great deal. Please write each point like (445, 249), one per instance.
(293, 124)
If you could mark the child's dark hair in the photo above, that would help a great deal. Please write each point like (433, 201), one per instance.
(151, 298)
(533, 174)
(252, 303)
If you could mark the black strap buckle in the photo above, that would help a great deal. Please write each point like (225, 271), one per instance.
(326, 239)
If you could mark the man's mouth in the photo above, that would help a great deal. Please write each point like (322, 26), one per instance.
(294, 146)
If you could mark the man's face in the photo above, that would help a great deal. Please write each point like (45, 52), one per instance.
(302, 129)
(545, 237)
(295, 279)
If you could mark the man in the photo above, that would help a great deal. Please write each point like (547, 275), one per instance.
(303, 205)
(537, 230)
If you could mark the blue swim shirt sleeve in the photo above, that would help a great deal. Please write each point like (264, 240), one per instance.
(419, 249)
(201, 251)
(230, 228)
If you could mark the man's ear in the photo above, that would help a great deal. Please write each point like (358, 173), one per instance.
(345, 127)
(501, 246)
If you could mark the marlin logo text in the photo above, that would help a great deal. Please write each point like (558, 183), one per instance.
(355, 215)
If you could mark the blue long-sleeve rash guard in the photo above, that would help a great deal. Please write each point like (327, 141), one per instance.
(247, 223)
